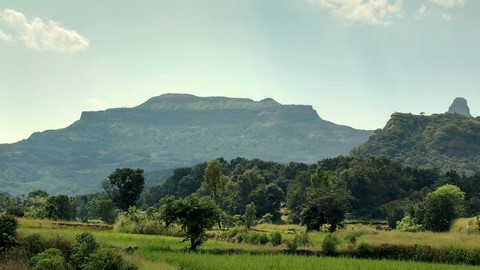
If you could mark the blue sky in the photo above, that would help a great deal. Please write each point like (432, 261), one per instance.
(355, 61)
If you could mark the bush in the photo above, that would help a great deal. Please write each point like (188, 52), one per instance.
(263, 239)
(292, 245)
(409, 224)
(106, 259)
(420, 253)
(8, 231)
(276, 238)
(329, 245)
(34, 244)
(298, 241)
(457, 256)
(50, 259)
(364, 250)
(84, 247)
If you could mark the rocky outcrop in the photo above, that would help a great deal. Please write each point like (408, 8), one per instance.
(460, 106)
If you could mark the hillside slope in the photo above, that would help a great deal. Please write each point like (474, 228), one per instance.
(445, 141)
(167, 132)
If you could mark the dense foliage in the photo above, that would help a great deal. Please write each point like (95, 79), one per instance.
(124, 186)
(193, 214)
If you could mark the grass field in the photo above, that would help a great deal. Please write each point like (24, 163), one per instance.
(162, 252)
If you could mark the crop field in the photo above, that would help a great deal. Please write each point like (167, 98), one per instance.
(163, 252)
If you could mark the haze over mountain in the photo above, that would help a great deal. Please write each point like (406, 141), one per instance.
(449, 141)
(167, 132)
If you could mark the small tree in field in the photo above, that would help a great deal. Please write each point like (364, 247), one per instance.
(441, 207)
(250, 215)
(193, 214)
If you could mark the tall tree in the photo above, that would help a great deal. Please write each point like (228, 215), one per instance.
(325, 206)
(193, 214)
(214, 178)
(124, 186)
(250, 215)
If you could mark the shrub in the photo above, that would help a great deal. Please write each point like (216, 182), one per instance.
(153, 227)
(387, 251)
(457, 256)
(50, 259)
(276, 238)
(8, 231)
(364, 250)
(292, 245)
(84, 247)
(263, 239)
(61, 244)
(298, 241)
(409, 224)
(420, 253)
(106, 259)
(303, 239)
(329, 245)
(34, 244)
(474, 257)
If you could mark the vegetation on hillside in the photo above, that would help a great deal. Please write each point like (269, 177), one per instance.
(444, 141)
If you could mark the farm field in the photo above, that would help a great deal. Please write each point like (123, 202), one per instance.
(163, 252)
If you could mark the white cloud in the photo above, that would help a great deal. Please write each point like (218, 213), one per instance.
(5, 38)
(95, 103)
(421, 13)
(449, 3)
(372, 12)
(446, 17)
(39, 35)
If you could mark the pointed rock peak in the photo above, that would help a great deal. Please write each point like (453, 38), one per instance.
(460, 106)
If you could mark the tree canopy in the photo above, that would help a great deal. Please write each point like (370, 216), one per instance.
(124, 186)
(193, 214)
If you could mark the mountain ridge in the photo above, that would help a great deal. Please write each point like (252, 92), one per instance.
(167, 132)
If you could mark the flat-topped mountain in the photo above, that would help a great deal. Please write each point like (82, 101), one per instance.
(167, 132)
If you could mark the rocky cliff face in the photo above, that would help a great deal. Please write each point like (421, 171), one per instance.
(167, 132)
(460, 106)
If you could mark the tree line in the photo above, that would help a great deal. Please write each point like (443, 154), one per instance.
(316, 195)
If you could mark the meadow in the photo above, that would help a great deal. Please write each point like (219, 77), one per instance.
(164, 252)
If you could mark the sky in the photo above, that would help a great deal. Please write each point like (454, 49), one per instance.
(355, 61)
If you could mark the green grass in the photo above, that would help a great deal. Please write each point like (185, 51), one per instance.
(196, 261)
(163, 252)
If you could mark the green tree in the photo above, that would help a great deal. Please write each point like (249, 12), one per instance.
(325, 206)
(214, 178)
(320, 178)
(36, 207)
(37, 193)
(61, 207)
(250, 215)
(441, 207)
(193, 214)
(124, 186)
(106, 210)
(8, 230)
(297, 195)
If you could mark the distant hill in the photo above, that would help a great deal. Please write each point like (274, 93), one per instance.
(166, 132)
(449, 141)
